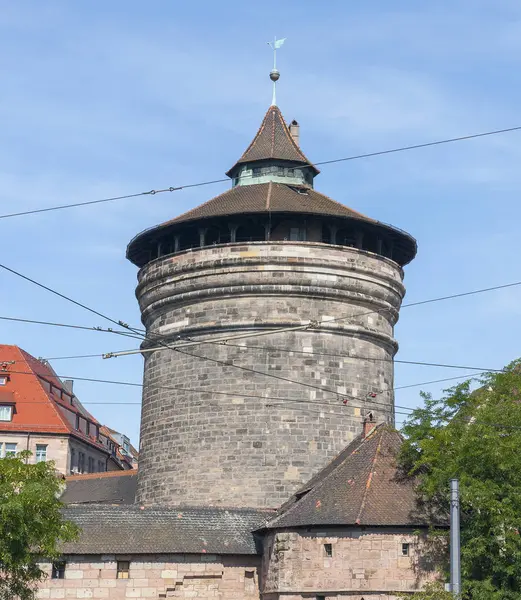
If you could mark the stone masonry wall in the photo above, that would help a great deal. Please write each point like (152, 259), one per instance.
(370, 562)
(57, 446)
(213, 434)
(204, 577)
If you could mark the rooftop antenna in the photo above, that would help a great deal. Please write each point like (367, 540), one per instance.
(274, 73)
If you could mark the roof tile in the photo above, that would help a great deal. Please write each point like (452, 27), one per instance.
(361, 486)
(273, 141)
(158, 530)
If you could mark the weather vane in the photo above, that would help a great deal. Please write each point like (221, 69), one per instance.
(274, 74)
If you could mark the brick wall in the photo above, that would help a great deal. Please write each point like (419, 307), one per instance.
(204, 577)
(296, 564)
(257, 451)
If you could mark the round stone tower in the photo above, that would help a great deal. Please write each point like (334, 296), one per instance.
(314, 289)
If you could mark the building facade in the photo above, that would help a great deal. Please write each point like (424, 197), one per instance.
(40, 413)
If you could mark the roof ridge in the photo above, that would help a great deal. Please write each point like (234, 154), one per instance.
(369, 478)
(268, 196)
(66, 425)
(321, 482)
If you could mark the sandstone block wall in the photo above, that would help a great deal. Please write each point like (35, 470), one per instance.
(370, 562)
(57, 447)
(204, 577)
(202, 441)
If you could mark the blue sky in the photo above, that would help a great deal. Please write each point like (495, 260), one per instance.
(102, 99)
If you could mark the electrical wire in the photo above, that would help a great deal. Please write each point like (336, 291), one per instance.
(214, 181)
(67, 325)
(60, 295)
(368, 358)
(309, 325)
(228, 363)
(237, 394)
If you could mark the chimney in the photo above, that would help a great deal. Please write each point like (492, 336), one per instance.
(369, 424)
(294, 129)
(68, 384)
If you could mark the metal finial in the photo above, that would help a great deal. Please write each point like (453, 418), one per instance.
(274, 73)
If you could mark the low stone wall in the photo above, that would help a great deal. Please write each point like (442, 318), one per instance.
(185, 576)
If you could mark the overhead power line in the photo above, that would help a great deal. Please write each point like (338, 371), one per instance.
(178, 348)
(68, 326)
(386, 406)
(309, 325)
(214, 181)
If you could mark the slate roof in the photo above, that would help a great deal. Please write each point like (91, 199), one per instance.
(111, 487)
(273, 141)
(361, 486)
(38, 410)
(136, 530)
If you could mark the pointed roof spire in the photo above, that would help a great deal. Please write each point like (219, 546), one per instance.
(273, 142)
(274, 73)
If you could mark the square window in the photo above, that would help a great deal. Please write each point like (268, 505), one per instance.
(405, 549)
(3, 380)
(328, 550)
(58, 570)
(6, 412)
(10, 450)
(41, 453)
(123, 569)
(320, 598)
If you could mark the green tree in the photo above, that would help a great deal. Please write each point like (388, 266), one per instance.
(32, 526)
(475, 436)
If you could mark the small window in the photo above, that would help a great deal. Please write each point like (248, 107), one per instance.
(10, 450)
(100, 466)
(77, 422)
(6, 412)
(81, 462)
(321, 598)
(87, 428)
(58, 570)
(3, 380)
(328, 550)
(123, 569)
(41, 456)
(405, 549)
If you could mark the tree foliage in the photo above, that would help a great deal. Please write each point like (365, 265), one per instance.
(31, 524)
(475, 436)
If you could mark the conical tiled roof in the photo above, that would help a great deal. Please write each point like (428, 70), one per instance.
(269, 198)
(361, 486)
(273, 141)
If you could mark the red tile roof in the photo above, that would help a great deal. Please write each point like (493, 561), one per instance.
(83, 476)
(36, 409)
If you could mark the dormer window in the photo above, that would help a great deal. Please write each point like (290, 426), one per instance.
(6, 412)
(4, 379)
